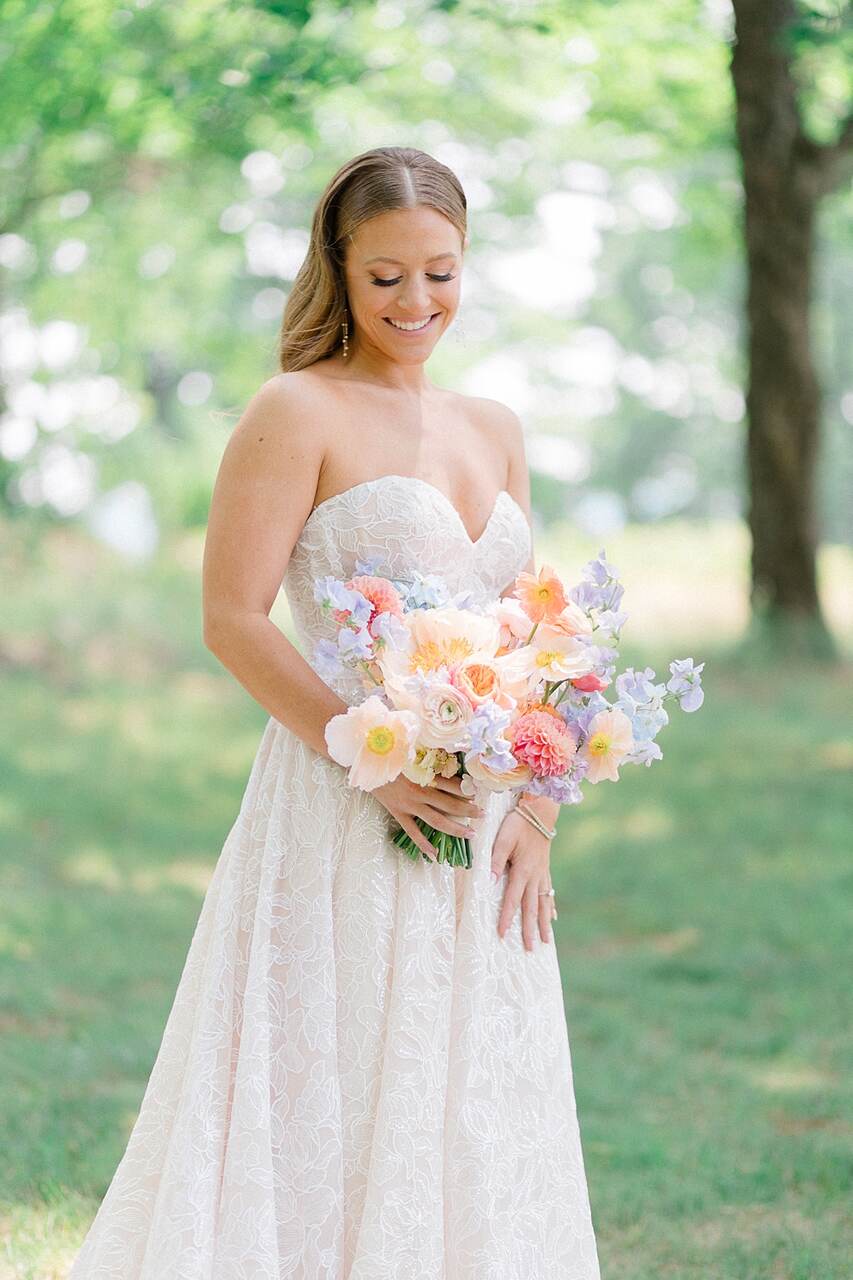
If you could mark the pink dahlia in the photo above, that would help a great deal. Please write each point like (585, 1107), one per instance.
(379, 591)
(544, 742)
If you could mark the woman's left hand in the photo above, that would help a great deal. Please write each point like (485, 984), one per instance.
(528, 854)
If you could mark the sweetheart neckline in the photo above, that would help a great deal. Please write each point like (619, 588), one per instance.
(427, 484)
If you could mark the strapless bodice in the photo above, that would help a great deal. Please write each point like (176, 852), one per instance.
(407, 525)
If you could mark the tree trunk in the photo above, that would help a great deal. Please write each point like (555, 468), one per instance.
(783, 183)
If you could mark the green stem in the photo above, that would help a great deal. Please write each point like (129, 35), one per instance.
(455, 851)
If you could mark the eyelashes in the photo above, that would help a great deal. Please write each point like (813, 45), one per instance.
(387, 283)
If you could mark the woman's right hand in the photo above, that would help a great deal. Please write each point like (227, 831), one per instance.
(441, 805)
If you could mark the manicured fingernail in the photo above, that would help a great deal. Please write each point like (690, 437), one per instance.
(495, 877)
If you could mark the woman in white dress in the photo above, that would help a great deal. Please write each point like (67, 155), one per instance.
(365, 1073)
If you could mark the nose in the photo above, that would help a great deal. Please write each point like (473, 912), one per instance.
(415, 299)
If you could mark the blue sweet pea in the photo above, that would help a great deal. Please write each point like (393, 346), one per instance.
(644, 753)
(327, 662)
(370, 567)
(390, 629)
(355, 644)
(686, 683)
(425, 591)
(647, 718)
(486, 727)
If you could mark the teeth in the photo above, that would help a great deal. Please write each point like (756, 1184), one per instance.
(410, 324)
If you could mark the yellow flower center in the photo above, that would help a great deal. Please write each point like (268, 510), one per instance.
(599, 744)
(431, 655)
(380, 739)
(544, 594)
(545, 657)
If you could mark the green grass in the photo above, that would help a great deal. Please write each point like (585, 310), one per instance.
(703, 931)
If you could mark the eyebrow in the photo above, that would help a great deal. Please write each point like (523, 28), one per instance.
(396, 262)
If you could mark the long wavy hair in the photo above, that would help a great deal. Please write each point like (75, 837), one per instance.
(368, 184)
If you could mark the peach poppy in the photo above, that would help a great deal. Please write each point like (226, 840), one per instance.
(609, 739)
(541, 595)
(374, 740)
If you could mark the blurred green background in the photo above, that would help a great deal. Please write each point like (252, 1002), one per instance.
(161, 165)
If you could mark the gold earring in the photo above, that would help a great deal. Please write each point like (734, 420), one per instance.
(346, 335)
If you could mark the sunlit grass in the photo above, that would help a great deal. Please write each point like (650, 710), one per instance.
(703, 908)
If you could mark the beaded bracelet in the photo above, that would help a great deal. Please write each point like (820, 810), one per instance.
(535, 821)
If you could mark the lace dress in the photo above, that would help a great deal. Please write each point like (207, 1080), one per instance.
(358, 1079)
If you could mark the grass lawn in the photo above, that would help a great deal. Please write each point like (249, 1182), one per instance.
(704, 927)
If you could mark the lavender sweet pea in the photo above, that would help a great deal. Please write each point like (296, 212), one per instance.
(510, 696)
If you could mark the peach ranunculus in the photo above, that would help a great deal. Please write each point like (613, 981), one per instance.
(442, 710)
(542, 596)
(444, 715)
(374, 740)
(381, 593)
(480, 681)
(544, 742)
(609, 739)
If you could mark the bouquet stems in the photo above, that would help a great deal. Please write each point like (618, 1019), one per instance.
(453, 850)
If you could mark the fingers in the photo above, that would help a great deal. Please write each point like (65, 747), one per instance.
(452, 785)
(501, 850)
(535, 909)
(529, 914)
(512, 898)
(412, 829)
(522, 890)
(545, 914)
(438, 818)
(451, 800)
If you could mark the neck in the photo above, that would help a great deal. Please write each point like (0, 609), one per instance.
(371, 365)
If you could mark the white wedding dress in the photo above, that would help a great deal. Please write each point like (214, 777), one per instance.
(358, 1079)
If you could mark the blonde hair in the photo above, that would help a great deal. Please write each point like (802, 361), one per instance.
(368, 184)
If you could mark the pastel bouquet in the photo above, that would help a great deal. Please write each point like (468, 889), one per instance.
(508, 696)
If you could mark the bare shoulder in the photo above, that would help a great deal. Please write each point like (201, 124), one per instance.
(288, 408)
(496, 420)
(262, 496)
(501, 433)
(501, 430)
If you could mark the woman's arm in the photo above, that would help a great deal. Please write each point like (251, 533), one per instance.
(263, 494)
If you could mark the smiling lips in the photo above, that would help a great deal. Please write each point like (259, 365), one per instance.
(410, 326)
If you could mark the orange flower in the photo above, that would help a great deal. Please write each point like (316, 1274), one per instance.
(481, 682)
(541, 596)
(380, 592)
(533, 704)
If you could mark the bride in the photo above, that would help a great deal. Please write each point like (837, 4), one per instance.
(365, 1073)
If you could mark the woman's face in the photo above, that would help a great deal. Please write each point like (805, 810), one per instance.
(403, 265)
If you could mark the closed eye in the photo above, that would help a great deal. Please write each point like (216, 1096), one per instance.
(387, 283)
